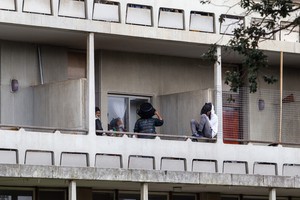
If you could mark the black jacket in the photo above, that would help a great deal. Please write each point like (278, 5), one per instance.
(98, 126)
(147, 126)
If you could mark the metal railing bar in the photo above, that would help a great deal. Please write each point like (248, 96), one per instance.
(185, 137)
(43, 128)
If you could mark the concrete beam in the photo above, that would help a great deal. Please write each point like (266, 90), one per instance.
(72, 190)
(144, 191)
(149, 176)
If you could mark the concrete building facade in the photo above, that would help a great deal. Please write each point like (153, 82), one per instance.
(61, 58)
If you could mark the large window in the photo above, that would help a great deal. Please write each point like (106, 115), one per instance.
(125, 107)
(47, 194)
(131, 196)
(103, 196)
(16, 195)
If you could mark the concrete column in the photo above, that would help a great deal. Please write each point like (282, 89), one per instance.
(144, 191)
(55, 5)
(218, 93)
(187, 20)
(72, 190)
(19, 5)
(91, 83)
(89, 5)
(272, 194)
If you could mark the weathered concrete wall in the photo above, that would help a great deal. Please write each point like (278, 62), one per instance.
(60, 104)
(151, 75)
(180, 108)
(54, 104)
(18, 61)
(55, 62)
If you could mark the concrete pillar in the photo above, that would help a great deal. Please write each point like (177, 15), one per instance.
(72, 190)
(19, 5)
(55, 6)
(272, 194)
(144, 191)
(91, 83)
(187, 20)
(89, 5)
(218, 93)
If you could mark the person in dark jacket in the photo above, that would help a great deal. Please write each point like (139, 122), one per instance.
(98, 121)
(147, 124)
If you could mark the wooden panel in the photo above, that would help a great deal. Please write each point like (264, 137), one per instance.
(76, 65)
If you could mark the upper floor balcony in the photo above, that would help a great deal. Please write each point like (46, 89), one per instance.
(174, 20)
(49, 93)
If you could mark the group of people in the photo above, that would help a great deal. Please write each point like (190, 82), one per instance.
(150, 118)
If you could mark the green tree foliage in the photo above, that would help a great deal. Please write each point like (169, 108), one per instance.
(246, 39)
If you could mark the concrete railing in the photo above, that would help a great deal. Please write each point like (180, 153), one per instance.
(40, 148)
(174, 14)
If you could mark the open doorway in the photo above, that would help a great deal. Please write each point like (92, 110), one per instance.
(125, 107)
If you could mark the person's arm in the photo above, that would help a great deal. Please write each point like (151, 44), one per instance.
(158, 115)
(159, 121)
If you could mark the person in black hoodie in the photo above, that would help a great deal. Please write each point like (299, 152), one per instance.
(98, 121)
(147, 124)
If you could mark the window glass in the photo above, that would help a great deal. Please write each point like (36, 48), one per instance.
(5, 197)
(50, 195)
(24, 198)
(103, 196)
(137, 197)
(124, 107)
(230, 198)
(184, 197)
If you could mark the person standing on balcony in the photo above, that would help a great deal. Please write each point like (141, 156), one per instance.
(98, 121)
(147, 123)
(208, 125)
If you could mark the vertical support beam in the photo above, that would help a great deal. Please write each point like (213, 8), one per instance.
(89, 5)
(144, 191)
(19, 5)
(72, 190)
(55, 5)
(187, 20)
(218, 93)
(281, 97)
(272, 194)
(91, 83)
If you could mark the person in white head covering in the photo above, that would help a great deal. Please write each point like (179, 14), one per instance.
(208, 124)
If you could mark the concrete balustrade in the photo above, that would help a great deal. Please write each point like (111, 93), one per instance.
(150, 154)
(97, 16)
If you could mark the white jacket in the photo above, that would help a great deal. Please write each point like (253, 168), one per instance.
(214, 122)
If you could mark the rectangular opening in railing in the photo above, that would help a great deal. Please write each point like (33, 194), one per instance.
(7, 5)
(290, 34)
(72, 8)
(171, 18)
(201, 21)
(106, 11)
(41, 6)
(230, 23)
(139, 15)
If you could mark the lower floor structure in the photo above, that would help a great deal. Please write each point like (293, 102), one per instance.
(21, 182)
